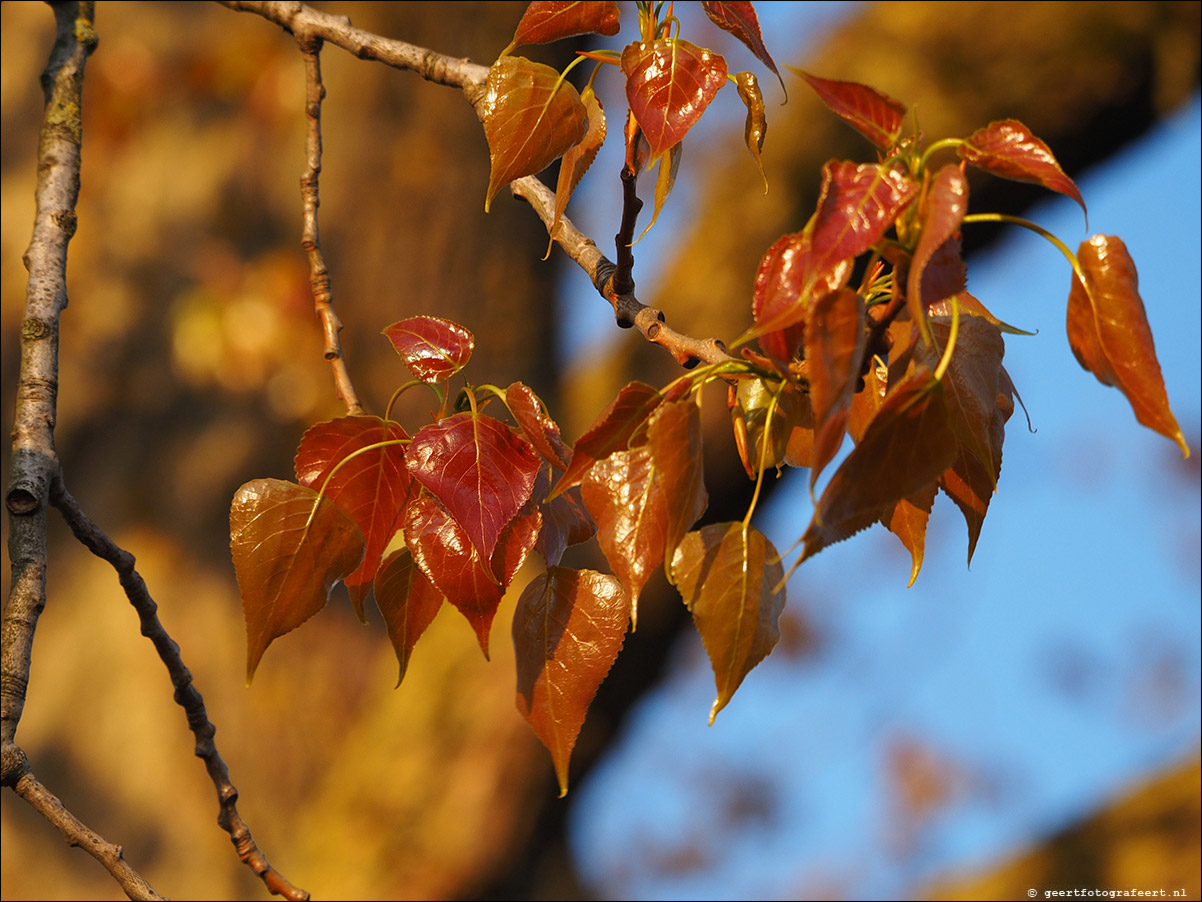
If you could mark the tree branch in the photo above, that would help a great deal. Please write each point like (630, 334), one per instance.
(319, 275)
(186, 694)
(311, 27)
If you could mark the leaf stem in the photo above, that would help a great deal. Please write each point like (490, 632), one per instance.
(1038, 230)
(396, 395)
(372, 447)
(936, 147)
(946, 360)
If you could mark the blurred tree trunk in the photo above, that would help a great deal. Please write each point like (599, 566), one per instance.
(437, 790)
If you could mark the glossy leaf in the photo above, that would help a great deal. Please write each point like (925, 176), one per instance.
(536, 424)
(565, 520)
(786, 285)
(408, 602)
(1109, 333)
(478, 469)
(568, 629)
(669, 84)
(835, 342)
(751, 404)
(434, 349)
(876, 116)
(756, 126)
(731, 579)
(290, 547)
(943, 211)
(1009, 149)
(906, 447)
(530, 119)
(579, 157)
(550, 20)
(645, 499)
(738, 17)
(857, 205)
(612, 431)
(371, 486)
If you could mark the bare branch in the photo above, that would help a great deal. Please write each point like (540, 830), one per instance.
(77, 833)
(319, 275)
(186, 694)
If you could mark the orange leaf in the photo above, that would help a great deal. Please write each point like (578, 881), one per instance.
(530, 119)
(835, 340)
(942, 212)
(568, 628)
(550, 20)
(1109, 333)
(290, 547)
(730, 577)
(1009, 149)
(669, 83)
(579, 157)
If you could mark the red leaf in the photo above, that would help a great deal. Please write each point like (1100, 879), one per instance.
(407, 601)
(876, 116)
(858, 203)
(549, 20)
(645, 499)
(536, 424)
(835, 340)
(434, 349)
(731, 579)
(786, 285)
(567, 631)
(1008, 149)
(611, 432)
(371, 487)
(1109, 333)
(906, 448)
(669, 83)
(290, 547)
(478, 469)
(530, 119)
(738, 17)
(942, 213)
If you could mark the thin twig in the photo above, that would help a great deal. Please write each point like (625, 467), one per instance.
(309, 25)
(186, 694)
(319, 275)
(77, 833)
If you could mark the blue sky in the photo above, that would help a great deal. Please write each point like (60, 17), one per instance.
(1058, 670)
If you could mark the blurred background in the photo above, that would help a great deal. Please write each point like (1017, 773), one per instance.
(1031, 723)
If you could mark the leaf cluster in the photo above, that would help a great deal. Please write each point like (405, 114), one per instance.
(863, 327)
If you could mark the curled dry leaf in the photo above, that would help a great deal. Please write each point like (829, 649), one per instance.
(756, 127)
(580, 156)
(530, 116)
(1109, 333)
(567, 631)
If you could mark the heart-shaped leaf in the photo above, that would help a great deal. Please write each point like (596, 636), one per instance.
(479, 469)
(731, 579)
(434, 349)
(739, 18)
(1009, 149)
(407, 601)
(290, 547)
(568, 629)
(370, 486)
(1109, 333)
(530, 117)
(550, 20)
(669, 83)
(876, 116)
